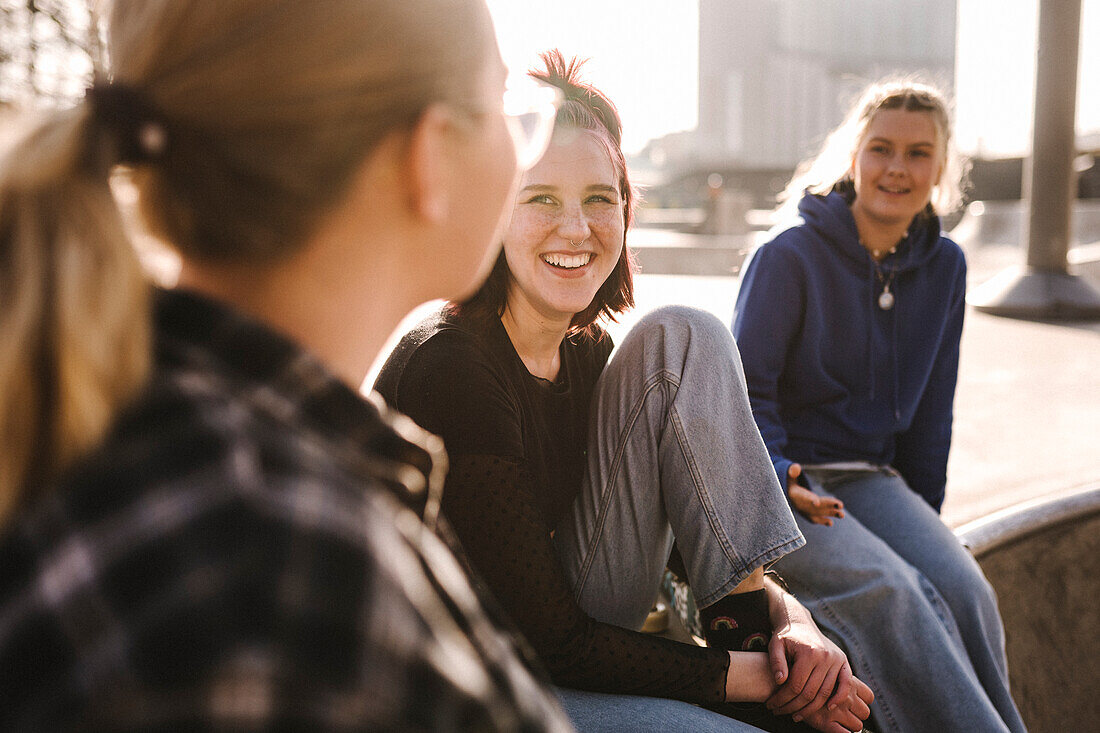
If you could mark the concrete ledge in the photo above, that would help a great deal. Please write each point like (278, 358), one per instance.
(705, 261)
(1004, 222)
(1015, 524)
(1043, 560)
(666, 252)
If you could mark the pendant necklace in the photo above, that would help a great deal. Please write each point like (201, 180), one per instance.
(885, 298)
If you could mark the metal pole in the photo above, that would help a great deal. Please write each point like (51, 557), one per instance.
(1045, 289)
(1048, 177)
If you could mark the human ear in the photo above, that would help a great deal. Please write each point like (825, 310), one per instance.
(426, 158)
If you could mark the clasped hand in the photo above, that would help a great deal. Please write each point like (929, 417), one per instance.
(815, 681)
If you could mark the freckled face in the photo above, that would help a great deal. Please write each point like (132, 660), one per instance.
(896, 167)
(567, 227)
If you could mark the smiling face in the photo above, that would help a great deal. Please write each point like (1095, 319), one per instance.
(566, 231)
(895, 168)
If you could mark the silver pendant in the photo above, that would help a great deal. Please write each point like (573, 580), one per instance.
(886, 299)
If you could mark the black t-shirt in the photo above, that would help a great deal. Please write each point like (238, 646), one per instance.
(473, 390)
(517, 452)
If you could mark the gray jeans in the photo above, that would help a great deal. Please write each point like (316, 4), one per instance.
(673, 452)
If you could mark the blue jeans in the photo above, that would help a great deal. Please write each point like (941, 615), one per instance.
(912, 607)
(673, 453)
(597, 712)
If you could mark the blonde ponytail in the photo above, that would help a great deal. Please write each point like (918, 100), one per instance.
(74, 314)
(265, 109)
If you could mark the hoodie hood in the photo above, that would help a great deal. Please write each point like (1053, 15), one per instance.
(830, 217)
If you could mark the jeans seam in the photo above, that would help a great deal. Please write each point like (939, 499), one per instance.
(742, 567)
(852, 641)
(666, 378)
(612, 474)
(700, 492)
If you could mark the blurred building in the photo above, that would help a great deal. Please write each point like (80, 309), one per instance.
(776, 75)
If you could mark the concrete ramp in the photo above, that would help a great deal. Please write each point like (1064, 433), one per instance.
(1003, 222)
(1043, 559)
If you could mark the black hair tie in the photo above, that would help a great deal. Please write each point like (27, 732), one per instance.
(126, 112)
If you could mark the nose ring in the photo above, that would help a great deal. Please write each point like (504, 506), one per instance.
(575, 244)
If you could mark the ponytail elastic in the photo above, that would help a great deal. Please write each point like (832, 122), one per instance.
(126, 113)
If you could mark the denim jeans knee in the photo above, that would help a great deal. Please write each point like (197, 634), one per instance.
(673, 451)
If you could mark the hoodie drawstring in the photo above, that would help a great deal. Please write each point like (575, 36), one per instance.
(872, 316)
(871, 327)
(894, 358)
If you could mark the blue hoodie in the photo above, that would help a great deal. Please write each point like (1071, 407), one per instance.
(831, 375)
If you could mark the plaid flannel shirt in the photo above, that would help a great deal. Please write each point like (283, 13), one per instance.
(241, 552)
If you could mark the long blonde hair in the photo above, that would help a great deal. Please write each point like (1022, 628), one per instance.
(265, 109)
(831, 167)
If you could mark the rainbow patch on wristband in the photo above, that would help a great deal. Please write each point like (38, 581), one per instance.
(755, 643)
(723, 622)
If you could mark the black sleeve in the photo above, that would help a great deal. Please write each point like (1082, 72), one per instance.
(490, 504)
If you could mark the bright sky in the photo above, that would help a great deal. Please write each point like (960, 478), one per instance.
(644, 54)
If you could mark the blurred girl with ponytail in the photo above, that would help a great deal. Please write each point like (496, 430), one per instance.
(572, 474)
(202, 523)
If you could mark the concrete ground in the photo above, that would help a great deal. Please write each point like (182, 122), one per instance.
(1027, 410)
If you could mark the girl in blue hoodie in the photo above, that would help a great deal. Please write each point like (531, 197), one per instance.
(849, 322)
